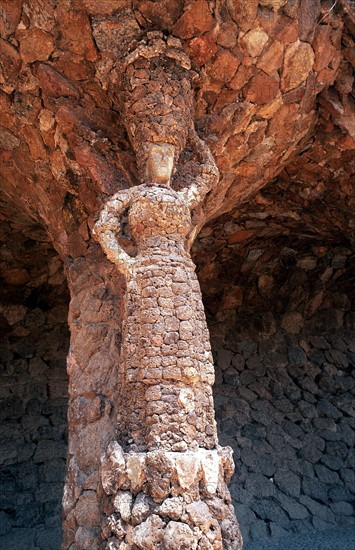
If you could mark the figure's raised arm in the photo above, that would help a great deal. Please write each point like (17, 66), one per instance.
(108, 226)
(208, 176)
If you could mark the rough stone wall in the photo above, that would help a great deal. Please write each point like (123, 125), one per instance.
(34, 344)
(282, 332)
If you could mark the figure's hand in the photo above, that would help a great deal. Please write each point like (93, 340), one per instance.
(208, 176)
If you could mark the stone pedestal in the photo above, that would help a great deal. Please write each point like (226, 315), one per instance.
(171, 500)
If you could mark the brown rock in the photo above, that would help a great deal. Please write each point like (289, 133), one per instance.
(35, 45)
(10, 64)
(275, 5)
(240, 236)
(16, 276)
(118, 35)
(227, 35)
(104, 7)
(291, 8)
(53, 83)
(74, 67)
(295, 95)
(98, 168)
(298, 62)
(289, 32)
(254, 41)
(262, 88)
(86, 511)
(75, 33)
(308, 13)
(8, 140)
(196, 20)
(241, 77)
(268, 110)
(35, 142)
(271, 60)
(323, 48)
(202, 48)
(243, 12)
(346, 142)
(285, 116)
(178, 535)
(41, 13)
(10, 15)
(224, 66)
(232, 297)
(161, 14)
(148, 535)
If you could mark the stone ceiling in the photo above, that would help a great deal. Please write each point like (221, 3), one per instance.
(273, 93)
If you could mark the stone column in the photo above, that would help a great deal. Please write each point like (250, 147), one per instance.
(165, 479)
(94, 320)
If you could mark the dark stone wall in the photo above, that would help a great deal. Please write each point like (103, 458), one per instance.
(34, 343)
(282, 330)
(283, 339)
(286, 406)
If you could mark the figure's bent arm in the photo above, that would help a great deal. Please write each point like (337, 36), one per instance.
(209, 174)
(108, 226)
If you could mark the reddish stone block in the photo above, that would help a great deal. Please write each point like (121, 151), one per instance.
(253, 42)
(34, 142)
(224, 66)
(262, 88)
(346, 142)
(100, 171)
(323, 48)
(240, 236)
(162, 14)
(242, 76)
(74, 67)
(227, 35)
(286, 116)
(202, 48)
(298, 62)
(53, 83)
(10, 15)
(41, 14)
(104, 7)
(35, 45)
(271, 59)
(76, 34)
(289, 32)
(196, 20)
(243, 12)
(10, 62)
(308, 13)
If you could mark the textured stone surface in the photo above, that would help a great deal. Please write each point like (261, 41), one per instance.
(34, 342)
(64, 148)
(166, 367)
(284, 376)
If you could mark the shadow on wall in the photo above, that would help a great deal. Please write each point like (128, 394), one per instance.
(34, 342)
(284, 394)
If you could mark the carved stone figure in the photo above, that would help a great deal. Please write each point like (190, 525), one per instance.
(166, 478)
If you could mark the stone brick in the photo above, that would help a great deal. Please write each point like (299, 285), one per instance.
(262, 88)
(53, 83)
(224, 66)
(35, 45)
(298, 62)
(271, 60)
(195, 20)
(202, 48)
(254, 41)
(243, 12)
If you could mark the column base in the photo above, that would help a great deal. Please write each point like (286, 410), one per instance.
(168, 500)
